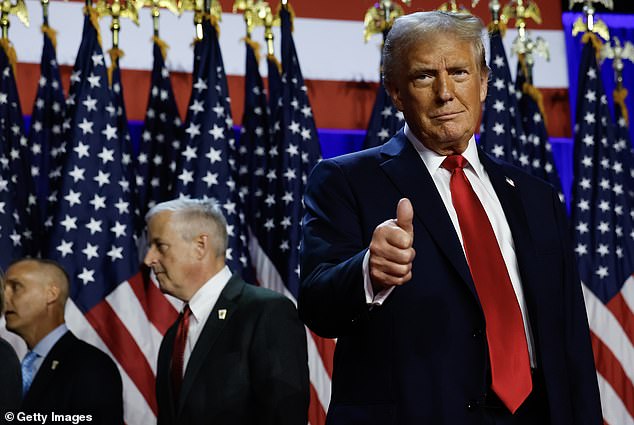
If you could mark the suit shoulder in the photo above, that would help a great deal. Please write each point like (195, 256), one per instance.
(261, 298)
(85, 353)
(522, 177)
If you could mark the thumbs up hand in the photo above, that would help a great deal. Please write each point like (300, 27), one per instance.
(391, 249)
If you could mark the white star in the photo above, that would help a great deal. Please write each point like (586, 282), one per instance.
(98, 202)
(603, 250)
(211, 179)
(214, 155)
(115, 253)
(77, 174)
(498, 151)
(200, 85)
(118, 229)
(217, 132)
(197, 107)
(90, 251)
(94, 81)
(294, 127)
(186, 177)
(193, 130)
(65, 248)
(82, 150)
(122, 206)
(97, 60)
(110, 132)
(498, 128)
(87, 276)
(602, 272)
(90, 104)
(69, 223)
(73, 198)
(94, 226)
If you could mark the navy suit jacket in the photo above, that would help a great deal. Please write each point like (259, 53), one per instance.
(76, 378)
(422, 356)
(11, 379)
(248, 367)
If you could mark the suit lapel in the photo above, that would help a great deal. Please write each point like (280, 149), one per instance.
(53, 360)
(509, 194)
(165, 364)
(221, 314)
(429, 208)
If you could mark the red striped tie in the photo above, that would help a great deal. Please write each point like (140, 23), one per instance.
(178, 351)
(508, 350)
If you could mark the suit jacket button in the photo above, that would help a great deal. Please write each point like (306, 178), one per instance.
(472, 405)
(477, 333)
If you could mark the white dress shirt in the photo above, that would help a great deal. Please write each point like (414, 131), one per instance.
(479, 180)
(201, 304)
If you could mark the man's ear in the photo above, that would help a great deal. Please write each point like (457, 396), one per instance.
(52, 293)
(202, 244)
(484, 84)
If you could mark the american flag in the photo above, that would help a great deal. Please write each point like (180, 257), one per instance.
(603, 220)
(208, 164)
(501, 132)
(275, 248)
(255, 137)
(161, 138)
(621, 117)
(111, 305)
(538, 154)
(46, 140)
(18, 206)
(385, 120)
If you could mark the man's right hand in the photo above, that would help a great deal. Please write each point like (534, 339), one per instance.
(391, 249)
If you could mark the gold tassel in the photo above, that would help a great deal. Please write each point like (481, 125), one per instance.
(277, 63)
(162, 45)
(215, 22)
(9, 50)
(619, 100)
(537, 96)
(94, 20)
(52, 35)
(254, 45)
(115, 55)
(291, 11)
(592, 37)
(499, 26)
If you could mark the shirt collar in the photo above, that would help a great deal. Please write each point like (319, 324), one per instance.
(433, 160)
(45, 345)
(208, 294)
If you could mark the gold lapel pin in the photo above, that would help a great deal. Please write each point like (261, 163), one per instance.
(222, 313)
(511, 182)
(54, 364)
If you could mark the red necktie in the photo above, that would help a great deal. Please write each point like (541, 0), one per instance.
(508, 350)
(178, 351)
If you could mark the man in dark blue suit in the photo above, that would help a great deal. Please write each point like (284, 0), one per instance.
(446, 276)
(60, 374)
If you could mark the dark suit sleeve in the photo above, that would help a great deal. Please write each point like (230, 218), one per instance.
(585, 391)
(279, 362)
(10, 379)
(99, 390)
(332, 294)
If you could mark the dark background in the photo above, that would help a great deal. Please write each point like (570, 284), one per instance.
(620, 6)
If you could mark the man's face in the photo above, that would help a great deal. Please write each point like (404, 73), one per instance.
(172, 258)
(27, 297)
(440, 90)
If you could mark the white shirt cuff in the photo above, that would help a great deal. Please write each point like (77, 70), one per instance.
(370, 297)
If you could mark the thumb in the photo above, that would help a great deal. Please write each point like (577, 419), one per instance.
(405, 215)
